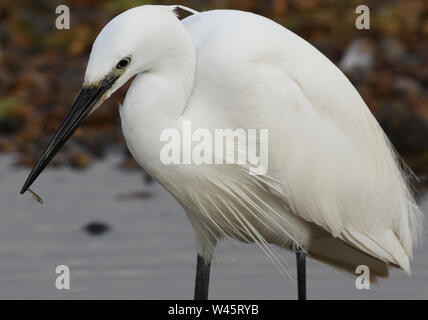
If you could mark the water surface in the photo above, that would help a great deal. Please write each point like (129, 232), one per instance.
(149, 253)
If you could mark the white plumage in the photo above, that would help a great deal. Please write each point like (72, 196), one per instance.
(333, 185)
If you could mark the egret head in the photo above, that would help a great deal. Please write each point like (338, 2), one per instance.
(132, 43)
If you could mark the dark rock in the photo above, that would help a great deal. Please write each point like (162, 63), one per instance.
(96, 228)
(136, 195)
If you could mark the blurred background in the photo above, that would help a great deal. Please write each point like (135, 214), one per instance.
(123, 236)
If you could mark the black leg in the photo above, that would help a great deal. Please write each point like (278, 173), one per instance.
(301, 273)
(202, 278)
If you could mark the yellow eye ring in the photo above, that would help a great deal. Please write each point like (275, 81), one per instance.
(123, 63)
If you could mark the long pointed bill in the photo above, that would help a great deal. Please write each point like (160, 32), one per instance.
(81, 108)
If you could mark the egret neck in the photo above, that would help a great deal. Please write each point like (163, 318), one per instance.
(157, 97)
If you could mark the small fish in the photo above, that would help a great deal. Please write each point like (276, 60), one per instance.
(36, 196)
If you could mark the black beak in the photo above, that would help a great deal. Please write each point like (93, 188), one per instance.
(81, 108)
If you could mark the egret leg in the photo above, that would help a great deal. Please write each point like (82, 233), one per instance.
(202, 282)
(301, 273)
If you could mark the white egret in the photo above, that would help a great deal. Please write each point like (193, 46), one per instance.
(333, 187)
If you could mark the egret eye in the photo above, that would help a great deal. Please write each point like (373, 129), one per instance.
(123, 63)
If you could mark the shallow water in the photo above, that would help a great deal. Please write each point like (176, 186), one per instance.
(149, 253)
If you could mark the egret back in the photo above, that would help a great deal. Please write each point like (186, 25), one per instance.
(332, 163)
